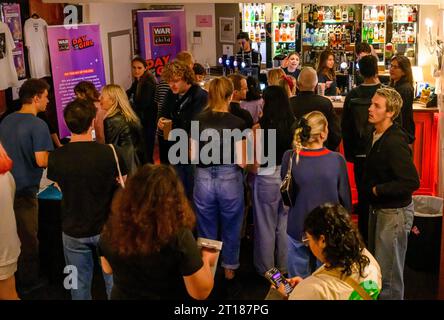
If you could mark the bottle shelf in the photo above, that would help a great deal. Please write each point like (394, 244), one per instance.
(255, 21)
(286, 21)
(334, 22)
(407, 43)
(374, 22)
(403, 22)
(293, 41)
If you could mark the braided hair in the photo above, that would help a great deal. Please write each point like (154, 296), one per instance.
(307, 129)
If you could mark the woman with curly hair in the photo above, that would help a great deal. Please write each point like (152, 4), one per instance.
(319, 175)
(335, 241)
(147, 242)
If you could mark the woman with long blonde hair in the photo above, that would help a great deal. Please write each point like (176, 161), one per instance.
(122, 126)
(274, 75)
(218, 187)
(319, 176)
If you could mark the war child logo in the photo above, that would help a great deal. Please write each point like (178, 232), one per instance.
(63, 44)
(161, 35)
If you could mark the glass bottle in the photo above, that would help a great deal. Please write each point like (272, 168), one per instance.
(344, 14)
(276, 33)
(281, 16)
(338, 13)
(315, 14)
(374, 14)
(381, 14)
(414, 14)
(351, 15)
(366, 14)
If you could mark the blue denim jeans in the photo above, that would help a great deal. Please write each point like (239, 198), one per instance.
(301, 262)
(219, 201)
(270, 223)
(79, 253)
(388, 234)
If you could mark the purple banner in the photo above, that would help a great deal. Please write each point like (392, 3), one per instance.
(76, 55)
(162, 34)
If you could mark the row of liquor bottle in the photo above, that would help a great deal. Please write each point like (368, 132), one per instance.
(405, 13)
(287, 14)
(256, 31)
(254, 12)
(313, 14)
(374, 13)
(402, 35)
(286, 32)
(373, 33)
(336, 37)
(283, 32)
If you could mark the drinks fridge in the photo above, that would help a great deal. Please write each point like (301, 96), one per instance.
(374, 29)
(284, 29)
(254, 23)
(402, 31)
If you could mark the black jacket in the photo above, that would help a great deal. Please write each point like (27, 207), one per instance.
(126, 137)
(308, 101)
(141, 95)
(235, 109)
(182, 110)
(353, 144)
(389, 166)
(407, 94)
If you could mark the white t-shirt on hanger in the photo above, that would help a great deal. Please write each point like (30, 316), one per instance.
(37, 42)
(8, 73)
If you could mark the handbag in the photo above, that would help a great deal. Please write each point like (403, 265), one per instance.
(121, 181)
(287, 185)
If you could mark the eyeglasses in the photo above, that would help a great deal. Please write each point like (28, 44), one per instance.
(305, 240)
(394, 67)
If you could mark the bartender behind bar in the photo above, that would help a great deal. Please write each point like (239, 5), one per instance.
(247, 54)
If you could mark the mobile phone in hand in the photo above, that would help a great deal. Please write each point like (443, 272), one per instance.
(276, 278)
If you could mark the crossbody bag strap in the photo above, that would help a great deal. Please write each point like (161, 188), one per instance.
(350, 281)
(122, 183)
(290, 165)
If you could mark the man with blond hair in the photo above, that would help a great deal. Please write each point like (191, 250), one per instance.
(390, 178)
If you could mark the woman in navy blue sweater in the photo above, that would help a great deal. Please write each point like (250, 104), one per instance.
(319, 176)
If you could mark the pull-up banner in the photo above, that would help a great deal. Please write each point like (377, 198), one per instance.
(162, 34)
(76, 55)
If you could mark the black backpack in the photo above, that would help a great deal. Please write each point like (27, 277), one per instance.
(363, 129)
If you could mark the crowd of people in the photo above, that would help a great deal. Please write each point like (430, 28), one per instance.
(142, 218)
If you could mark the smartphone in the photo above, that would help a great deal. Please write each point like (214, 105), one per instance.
(276, 278)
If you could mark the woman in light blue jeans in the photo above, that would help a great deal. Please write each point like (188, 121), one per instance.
(218, 187)
(270, 215)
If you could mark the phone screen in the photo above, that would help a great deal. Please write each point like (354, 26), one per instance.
(276, 278)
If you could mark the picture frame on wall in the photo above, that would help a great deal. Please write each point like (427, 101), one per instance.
(226, 30)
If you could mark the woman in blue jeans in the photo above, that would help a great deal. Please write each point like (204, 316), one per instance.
(270, 215)
(319, 176)
(218, 188)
